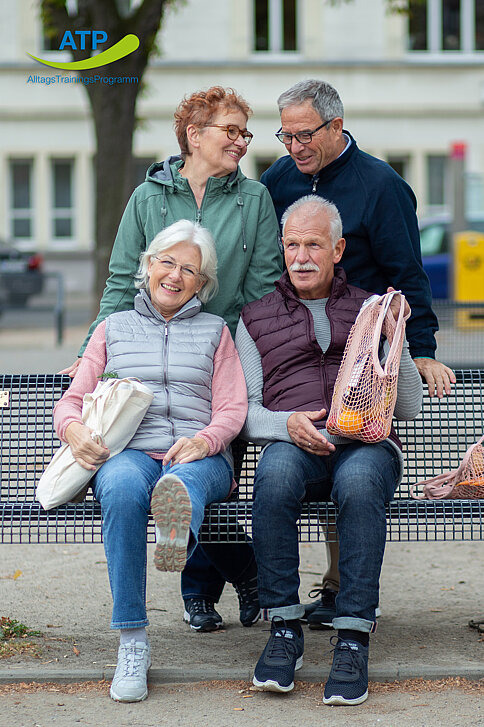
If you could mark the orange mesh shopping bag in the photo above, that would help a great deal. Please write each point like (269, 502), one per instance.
(464, 483)
(365, 392)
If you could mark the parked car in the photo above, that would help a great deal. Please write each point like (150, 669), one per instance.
(435, 237)
(21, 275)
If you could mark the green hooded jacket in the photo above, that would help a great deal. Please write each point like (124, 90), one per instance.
(238, 212)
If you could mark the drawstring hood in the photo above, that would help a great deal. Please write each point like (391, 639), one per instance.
(167, 174)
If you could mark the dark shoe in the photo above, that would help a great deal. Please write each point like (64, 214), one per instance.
(348, 680)
(201, 615)
(282, 656)
(249, 605)
(323, 611)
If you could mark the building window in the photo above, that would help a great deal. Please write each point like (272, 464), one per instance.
(446, 25)
(275, 25)
(437, 173)
(62, 198)
(21, 200)
(140, 167)
(400, 163)
(261, 164)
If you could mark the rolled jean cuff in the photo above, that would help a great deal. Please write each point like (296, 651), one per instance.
(130, 624)
(288, 613)
(356, 624)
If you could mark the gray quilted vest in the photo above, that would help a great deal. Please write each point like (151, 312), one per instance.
(174, 359)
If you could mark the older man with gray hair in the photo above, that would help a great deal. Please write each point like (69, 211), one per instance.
(377, 206)
(291, 344)
(380, 228)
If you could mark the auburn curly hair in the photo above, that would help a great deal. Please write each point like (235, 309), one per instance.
(200, 109)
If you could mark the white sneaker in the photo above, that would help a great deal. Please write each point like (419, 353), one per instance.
(172, 512)
(130, 678)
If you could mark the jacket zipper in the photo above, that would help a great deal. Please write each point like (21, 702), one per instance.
(165, 383)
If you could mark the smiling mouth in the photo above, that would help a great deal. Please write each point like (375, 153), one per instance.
(170, 288)
(233, 154)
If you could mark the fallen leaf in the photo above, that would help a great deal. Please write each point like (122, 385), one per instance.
(76, 650)
(17, 574)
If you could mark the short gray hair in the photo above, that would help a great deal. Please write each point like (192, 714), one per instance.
(325, 99)
(319, 204)
(183, 231)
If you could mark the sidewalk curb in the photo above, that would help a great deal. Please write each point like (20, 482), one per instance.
(380, 673)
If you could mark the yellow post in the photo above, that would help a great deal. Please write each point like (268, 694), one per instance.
(469, 277)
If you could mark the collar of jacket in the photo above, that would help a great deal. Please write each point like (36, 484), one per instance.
(332, 169)
(166, 172)
(338, 285)
(144, 306)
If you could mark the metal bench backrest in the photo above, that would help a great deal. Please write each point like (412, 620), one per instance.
(435, 442)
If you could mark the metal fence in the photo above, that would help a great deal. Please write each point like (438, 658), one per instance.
(460, 338)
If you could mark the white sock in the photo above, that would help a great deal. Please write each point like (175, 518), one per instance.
(126, 635)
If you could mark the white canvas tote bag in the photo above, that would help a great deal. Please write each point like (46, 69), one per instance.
(114, 410)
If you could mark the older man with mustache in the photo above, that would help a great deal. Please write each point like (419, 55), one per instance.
(291, 343)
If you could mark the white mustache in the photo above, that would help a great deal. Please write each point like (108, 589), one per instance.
(303, 268)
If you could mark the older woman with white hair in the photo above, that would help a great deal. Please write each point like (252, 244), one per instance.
(179, 459)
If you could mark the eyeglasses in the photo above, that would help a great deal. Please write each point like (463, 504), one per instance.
(187, 271)
(233, 132)
(303, 137)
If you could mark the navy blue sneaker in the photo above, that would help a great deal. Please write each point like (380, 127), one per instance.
(282, 656)
(249, 607)
(348, 679)
(322, 613)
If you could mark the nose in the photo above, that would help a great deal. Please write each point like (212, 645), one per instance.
(240, 144)
(175, 274)
(296, 145)
(302, 254)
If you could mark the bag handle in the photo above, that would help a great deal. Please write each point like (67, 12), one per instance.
(385, 301)
(441, 486)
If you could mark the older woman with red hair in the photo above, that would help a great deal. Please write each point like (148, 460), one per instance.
(205, 184)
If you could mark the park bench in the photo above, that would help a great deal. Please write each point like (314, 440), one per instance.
(433, 443)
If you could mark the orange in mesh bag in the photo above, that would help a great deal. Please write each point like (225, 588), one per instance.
(365, 393)
(464, 483)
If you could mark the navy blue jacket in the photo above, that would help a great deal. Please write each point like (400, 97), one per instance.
(380, 227)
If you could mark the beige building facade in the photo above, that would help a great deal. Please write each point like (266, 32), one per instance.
(411, 86)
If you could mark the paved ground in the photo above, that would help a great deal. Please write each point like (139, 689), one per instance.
(429, 593)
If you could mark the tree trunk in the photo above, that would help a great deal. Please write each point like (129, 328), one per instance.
(114, 117)
(113, 106)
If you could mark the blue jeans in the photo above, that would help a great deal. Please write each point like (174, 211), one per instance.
(123, 487)
(360, 479)
(210, 566)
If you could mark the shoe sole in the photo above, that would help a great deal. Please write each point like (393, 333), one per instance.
(270, 685)
(320, 625)
(172, 512)
(337, 699)
(116, 698)
(204, 628)
(248, 624)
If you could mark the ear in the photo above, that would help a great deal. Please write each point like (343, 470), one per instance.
(337, 126)
(201, 286)
(338, 250)
(193, 135)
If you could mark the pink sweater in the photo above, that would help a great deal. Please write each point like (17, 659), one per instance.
(229, 392)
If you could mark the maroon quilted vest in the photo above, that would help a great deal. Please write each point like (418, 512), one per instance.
(298, 376)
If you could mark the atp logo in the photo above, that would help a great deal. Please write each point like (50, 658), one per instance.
(119, 50)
